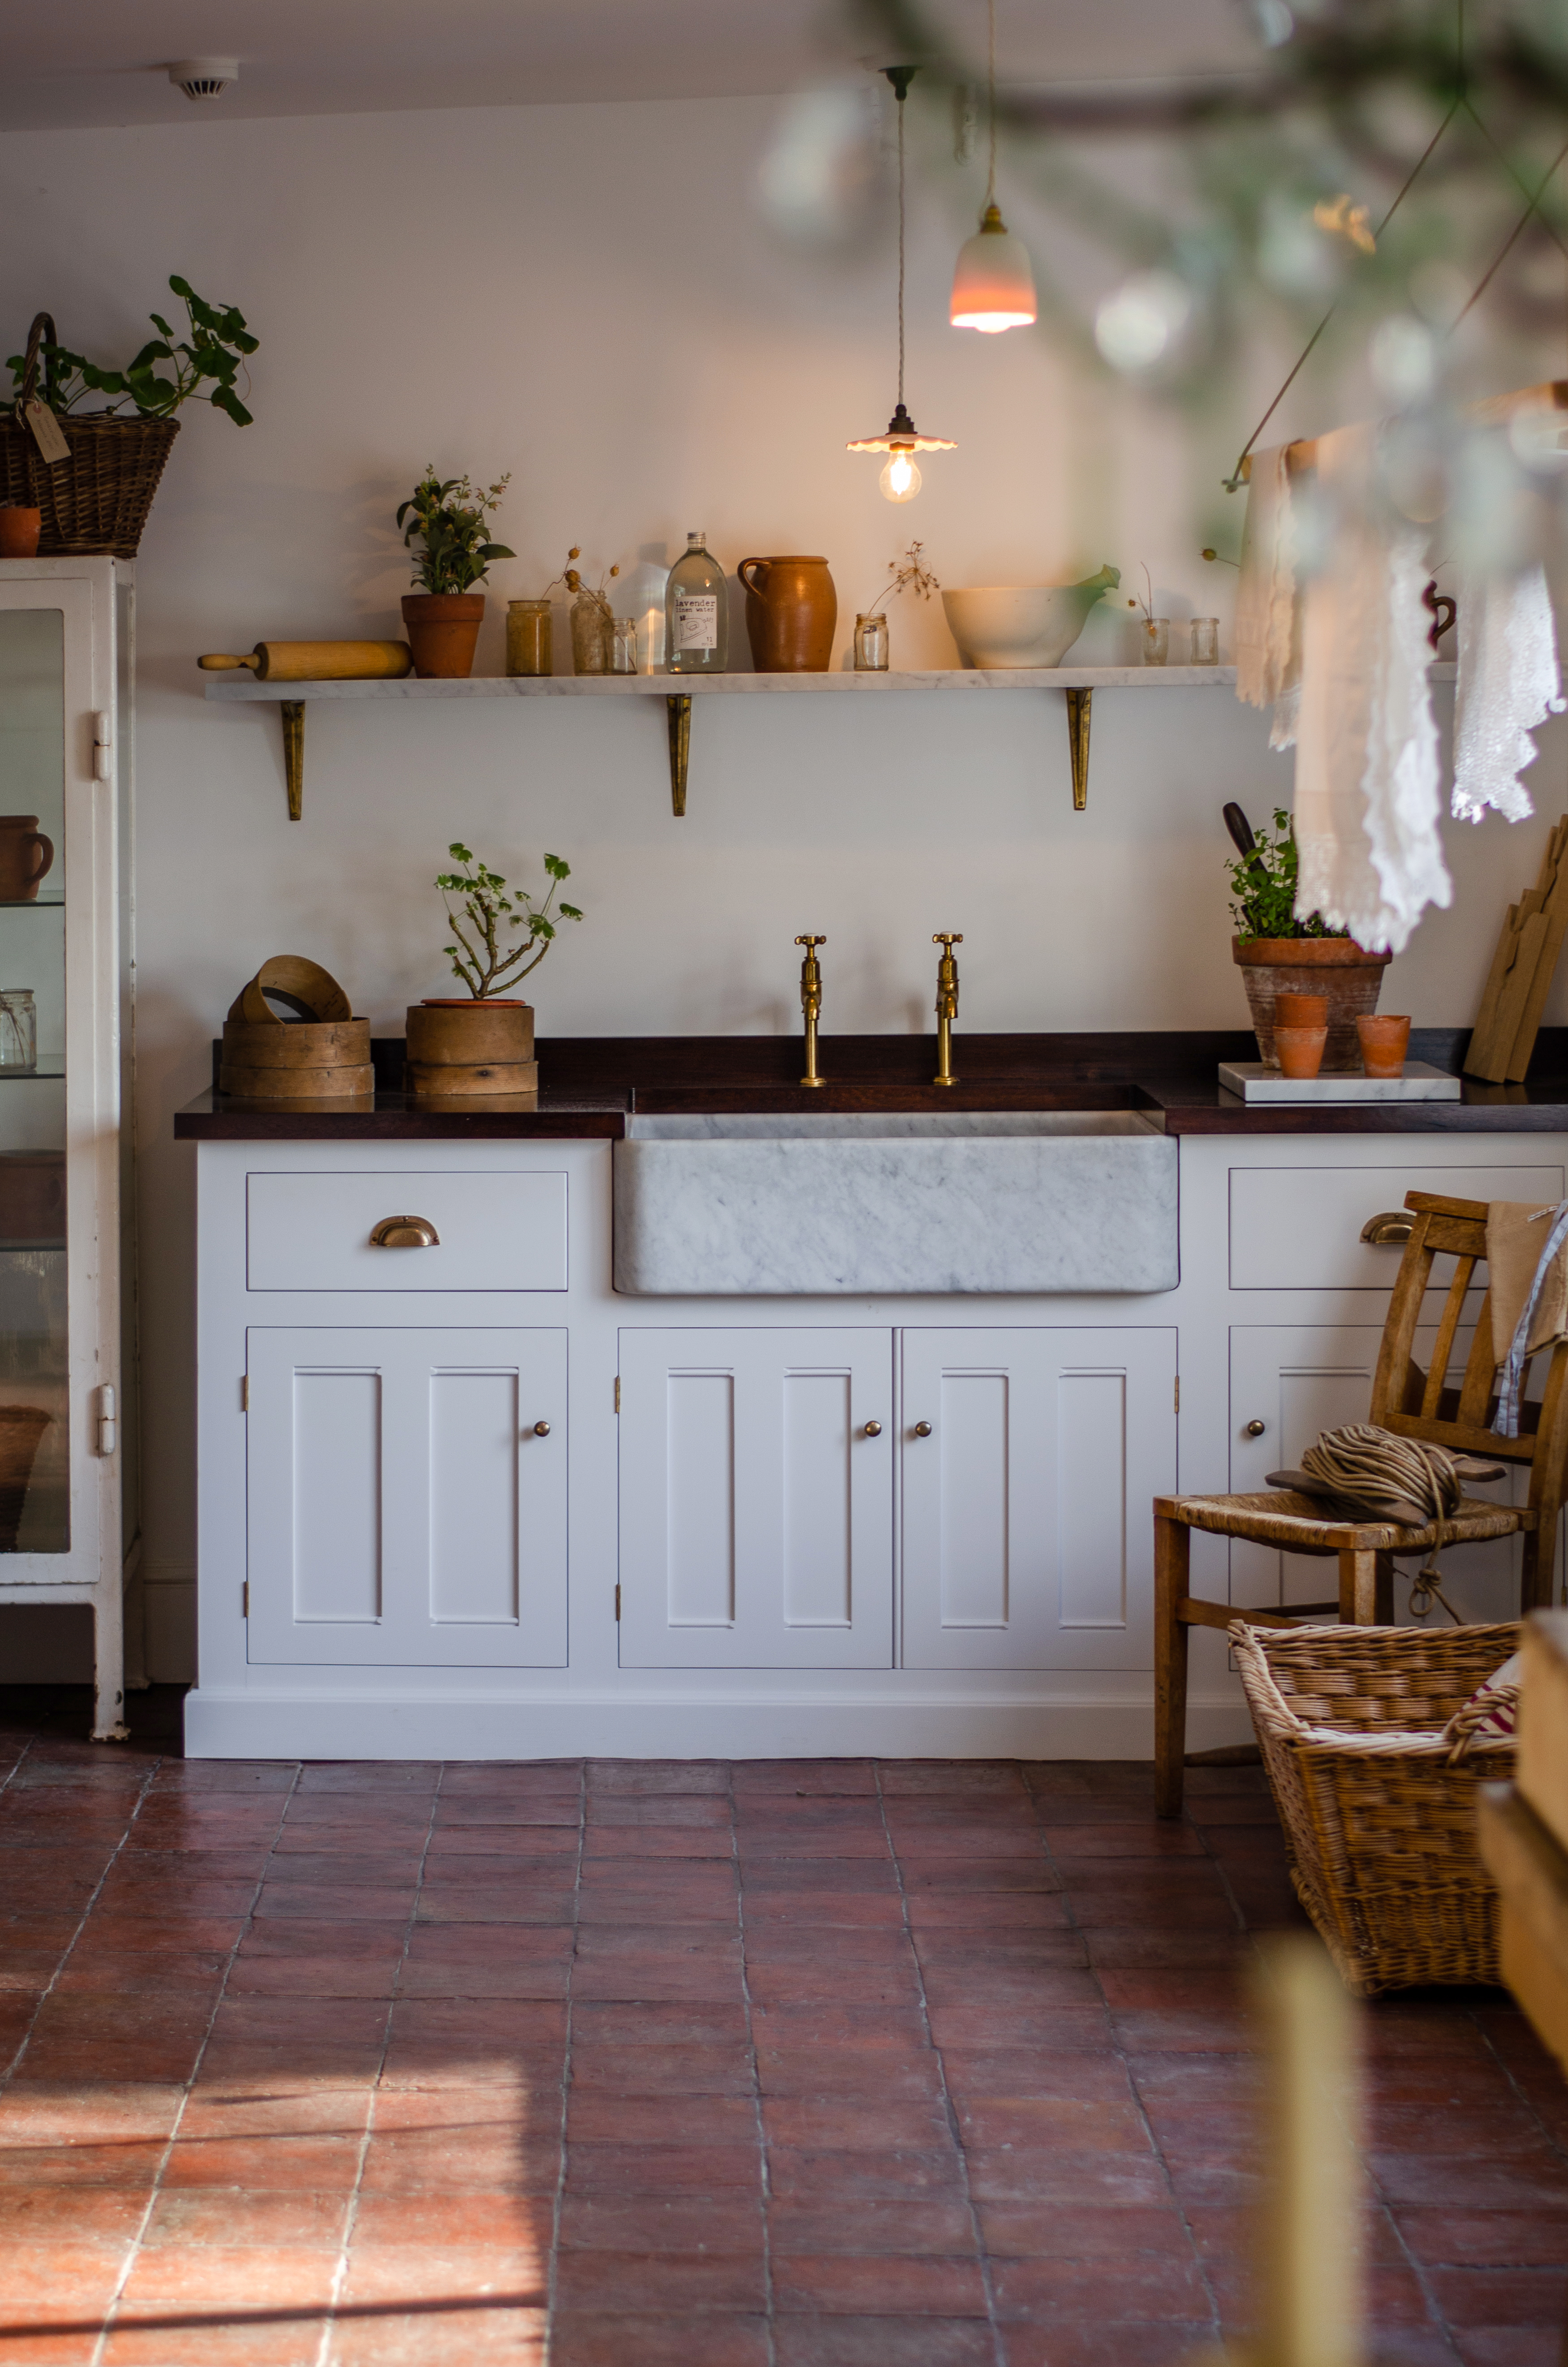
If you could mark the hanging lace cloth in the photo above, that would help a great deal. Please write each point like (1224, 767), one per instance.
(1508, 682)
(1367, 802)
(1269, 606)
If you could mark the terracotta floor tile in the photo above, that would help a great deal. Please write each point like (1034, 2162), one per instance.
(1095, 2344)
(498, 2221)
(844, 2175)
(809, 2341)
(875, 2228)
(706, 2338)
(1508, 2346)
(806, 2124)
(1459, 2238)
(606, 2119)
(883, 2075)
(715, 2070)
(1081, 2292)
(1080, 2125)
(646, 2281)
(1055, 2175)
(1110, 2232)
(660, 2222)
(734, 2169)
(512, 2276)
(230, 2216)
(844, 2284)
(1019, 2074)
(664, 2022)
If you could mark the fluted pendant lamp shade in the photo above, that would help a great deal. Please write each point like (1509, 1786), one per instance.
(993, 284)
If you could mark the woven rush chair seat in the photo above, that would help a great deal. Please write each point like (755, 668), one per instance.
(1381, 1840)
(1456, 1413)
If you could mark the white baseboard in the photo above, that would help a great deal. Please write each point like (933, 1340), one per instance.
(245, 1726)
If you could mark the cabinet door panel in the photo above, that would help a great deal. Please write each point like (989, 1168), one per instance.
(402, 1512)
(1300, 1380)
(1027, 1538)
(755, 1514)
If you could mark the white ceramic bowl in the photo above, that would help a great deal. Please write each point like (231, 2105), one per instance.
(1021, 625)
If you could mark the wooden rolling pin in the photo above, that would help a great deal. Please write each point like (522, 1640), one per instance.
(319, 662)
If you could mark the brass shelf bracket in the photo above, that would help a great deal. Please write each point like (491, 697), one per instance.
(1078, 706)
(292, 711)
(679, 705)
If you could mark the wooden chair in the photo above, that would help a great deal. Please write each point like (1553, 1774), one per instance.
(1406, 1400)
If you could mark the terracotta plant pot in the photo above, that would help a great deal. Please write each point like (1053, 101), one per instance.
(1385, 1042)
(443, 629)
(459, 1047)
(792, 609)
(19, 530)
(26, 856)
(1301, 1050)
(1301, 1011)
(1347, 977)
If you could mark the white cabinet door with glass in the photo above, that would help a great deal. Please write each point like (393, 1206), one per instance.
(757, 1499)
(65, 790)
(1029, 1460)
(406, 1498)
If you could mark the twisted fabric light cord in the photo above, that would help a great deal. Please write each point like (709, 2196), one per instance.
(901, 98)
(991, 102)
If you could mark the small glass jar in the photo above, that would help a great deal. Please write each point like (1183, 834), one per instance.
(1206, 640)
(1157, 639)
(18, 1031)
(531, 645)
(871, 644)
(624, 645)
(592, 635)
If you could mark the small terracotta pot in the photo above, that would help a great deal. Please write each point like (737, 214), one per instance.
(19, 530)
(443, 630)
(1385, 1042)
(1347, 977)
(1301, 1050)
(1301, 1011)
(792, 609)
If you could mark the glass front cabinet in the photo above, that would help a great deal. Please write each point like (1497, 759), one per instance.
(67, 1493)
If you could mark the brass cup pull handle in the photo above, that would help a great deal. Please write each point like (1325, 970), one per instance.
(405, 1233)
(541, 1429)
(1254, 1429)
(922, 1430)
(873, 1429)
(1390, 1230)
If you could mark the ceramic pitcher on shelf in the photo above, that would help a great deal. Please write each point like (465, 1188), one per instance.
(26, 854)
(792, 609)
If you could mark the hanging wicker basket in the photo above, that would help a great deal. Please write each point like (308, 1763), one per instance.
(94, 503)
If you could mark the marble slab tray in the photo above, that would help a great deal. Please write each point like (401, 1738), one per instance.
(1253, 1082)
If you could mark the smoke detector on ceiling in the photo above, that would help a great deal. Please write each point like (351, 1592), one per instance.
(204, 77)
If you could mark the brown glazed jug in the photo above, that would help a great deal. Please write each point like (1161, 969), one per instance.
(792, 609)
(25, 855)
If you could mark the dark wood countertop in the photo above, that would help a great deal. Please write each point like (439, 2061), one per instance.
(591, 1083)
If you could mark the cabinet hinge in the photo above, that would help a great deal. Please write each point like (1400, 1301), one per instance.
(1177, 1393)
(244, 1599)
(617, 1392)
(245, 1393)
(618, 1599)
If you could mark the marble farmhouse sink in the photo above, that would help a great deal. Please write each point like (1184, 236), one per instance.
(1048, 1201)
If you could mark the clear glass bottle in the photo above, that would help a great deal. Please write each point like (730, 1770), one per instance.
(1157, 639)
(624, 645)
(871, 644)
(18, 1030)
(1206, 640)
(591, 635)
(696, 613)
(529, 637)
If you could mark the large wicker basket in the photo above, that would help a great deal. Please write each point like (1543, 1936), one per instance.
(95, 502)
(1381, 1838)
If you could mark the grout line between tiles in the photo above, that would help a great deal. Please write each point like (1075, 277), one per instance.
(562, 2163)
(765, 2177)
(981, 2254)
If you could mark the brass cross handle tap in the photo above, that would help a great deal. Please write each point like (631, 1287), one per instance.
(811, 1004)
(946, 1005)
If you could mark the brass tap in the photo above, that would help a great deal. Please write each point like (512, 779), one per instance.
(811, 1004)
(947, 1007)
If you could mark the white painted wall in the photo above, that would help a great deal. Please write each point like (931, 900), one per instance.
(585, 296)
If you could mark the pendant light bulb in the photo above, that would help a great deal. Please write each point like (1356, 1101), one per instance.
(900, 480)
(993, 284)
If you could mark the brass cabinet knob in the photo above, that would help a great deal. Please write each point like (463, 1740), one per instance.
(873, 1429)
(541, 1429)
(1390, 1230)
(922, 1430)
(1255, 1429)
(405, 1233)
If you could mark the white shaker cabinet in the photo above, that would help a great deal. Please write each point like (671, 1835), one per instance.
(1028, 1459)
(757, 1499)
(407, 1493)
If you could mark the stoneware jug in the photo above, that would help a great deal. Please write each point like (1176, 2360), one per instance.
(792, 609)
(25, 855)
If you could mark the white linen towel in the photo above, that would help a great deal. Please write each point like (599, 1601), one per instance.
(1268, 618)
(1508, 682)
(1367, 798)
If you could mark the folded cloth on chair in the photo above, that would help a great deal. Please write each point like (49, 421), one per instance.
(1527, 1260)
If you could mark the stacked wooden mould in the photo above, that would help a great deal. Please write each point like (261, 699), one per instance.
(479, 1052)
(1522, 968)
(318, 1055)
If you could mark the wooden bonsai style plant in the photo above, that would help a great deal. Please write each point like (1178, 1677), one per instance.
(482, 1041)
(1278, 953)
(445, 525)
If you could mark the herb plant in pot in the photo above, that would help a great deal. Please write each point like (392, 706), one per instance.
(444, 524)
(1278, 954)
(481, 1042)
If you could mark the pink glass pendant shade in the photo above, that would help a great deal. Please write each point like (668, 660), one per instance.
(993, 284)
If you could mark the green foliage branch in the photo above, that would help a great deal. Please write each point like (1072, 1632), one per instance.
(213, 353)
(448, 521)
(1264, 885)
(486, 912)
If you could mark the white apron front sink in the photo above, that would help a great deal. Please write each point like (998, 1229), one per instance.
(1060, 1201)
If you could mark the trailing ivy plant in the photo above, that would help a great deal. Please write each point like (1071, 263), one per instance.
(486, 913)
(213, 355)
(1264, 885)
(449, 522)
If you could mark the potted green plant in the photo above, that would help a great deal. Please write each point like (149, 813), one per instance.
(445, 525)
(91, 479)
(482, 1041)
(1278, 953)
